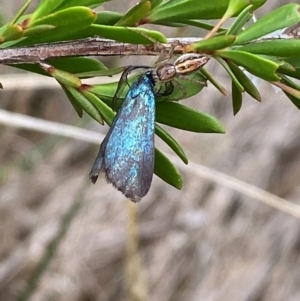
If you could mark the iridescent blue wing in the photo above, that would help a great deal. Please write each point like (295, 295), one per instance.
(126, 154)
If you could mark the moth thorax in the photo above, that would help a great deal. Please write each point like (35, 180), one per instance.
(166, 72)
(189, 63)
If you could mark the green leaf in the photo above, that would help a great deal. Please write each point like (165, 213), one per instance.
(89, 3)
(31, 31)
(282, 64)
(185, 118)
(184, 23)
(65, 78)
(165, 170)
(94, 100)
(87, 106)
(75, 104)
(293, 99)
(74, 17)
(291, 89)
(44, 8)
(11, 43)
(245, 81)
(240, 21)
(77, 18)
(150, 37)
(213, 80)
(155, 3)
(195, 23)
(279, 47)
(284, 16)
(106, 112)
(231, 74)
(179, 10)
(78, 65)
(123, 34)
(237, 98)
(31, 68)
(101, 72)
(286, 67)
(20, 11)
(107, 91)
(294, 61)
(259, 66)
(11, 32)
(135, 14)
(235, 7)
(214, 43)
(290, 83)
(107, 18)
(170, 141)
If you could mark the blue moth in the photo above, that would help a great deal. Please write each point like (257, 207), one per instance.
(126, 154)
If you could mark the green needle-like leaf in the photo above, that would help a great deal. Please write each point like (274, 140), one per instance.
(214, 81)
(89, 3)
(169, 140)
(68, 17)
(237, 98)
(78, 65)
(106, 112)
(214, 43)
(165, 170)
(35, 30)
(77, 18)
(94, 100)
(284, 16)
(20, 11)
(87, 106)
(101, 72)
(155, 3)
(65, 78)
(123, 34)
(236, 6)
(178, 11)
(240, 21)
(135, 14)
(82, 67)
(12, 32)
(185, 118)
(279, 48)
(107, 18)
(75, 104)
(259, 66)
(293, 99)
(231, 74)
(44, 8)
(290, 83)
(243, 79)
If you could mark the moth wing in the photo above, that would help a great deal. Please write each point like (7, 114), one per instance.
(128, 160)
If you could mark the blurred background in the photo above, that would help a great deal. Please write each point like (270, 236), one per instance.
(206, 242)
